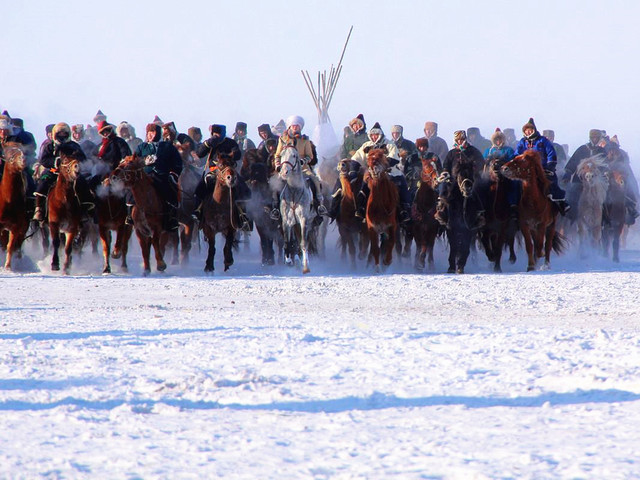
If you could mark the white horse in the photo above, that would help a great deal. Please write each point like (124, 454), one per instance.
(295, 207)
(591, 203)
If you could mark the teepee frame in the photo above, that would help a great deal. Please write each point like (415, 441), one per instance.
(326, 86)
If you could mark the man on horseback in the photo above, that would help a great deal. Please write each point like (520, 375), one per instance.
(377, 140)
(462, 151)
(412, 165)
(617, 159)
(163, 164)
(497, 155)
(532, 140)
(352, 143)
(49, 161)
(292, 136)
(216, 148)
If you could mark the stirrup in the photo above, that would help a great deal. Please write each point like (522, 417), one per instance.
(275, 214)
(322, 210)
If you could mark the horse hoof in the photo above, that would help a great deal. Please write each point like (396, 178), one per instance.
(451, 270)
(116, 254)
(124, 269)
(146, 273)
(530, 268)
(306, 270)
(512, 260)
(55, 268)
(106, 270)
(208, 269)
(162, 267)
(226, 267)
(460, 271)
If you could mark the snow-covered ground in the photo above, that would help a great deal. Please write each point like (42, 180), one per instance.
(264, 373)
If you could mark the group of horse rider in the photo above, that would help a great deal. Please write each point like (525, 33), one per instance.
(99, 150)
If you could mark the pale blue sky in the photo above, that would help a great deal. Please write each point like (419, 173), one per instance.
(572, 65)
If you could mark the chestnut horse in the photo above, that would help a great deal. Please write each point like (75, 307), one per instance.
(351, 228)
(13, 200)
(425, 226)
(614, 213)
(218, 215)
(148, 213)
(65, 213)
(381, 208)
(593, 194)
(112, 213)
(536, 210)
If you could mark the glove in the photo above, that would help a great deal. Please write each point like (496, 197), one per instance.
(444, 177)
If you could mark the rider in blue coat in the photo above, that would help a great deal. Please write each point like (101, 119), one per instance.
(500, 153)
(532, 140)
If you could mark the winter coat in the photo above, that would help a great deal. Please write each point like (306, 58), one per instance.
(543, 146)
(161, 158)
(244, 143)
(214, 146)
(406, 145)
(303, 145)
(391, 152)
(112, 150)
(584, 151)
(352, 143)
(51, 151)
(456, 155)
(503, 154)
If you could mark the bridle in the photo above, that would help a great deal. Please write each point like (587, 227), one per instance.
(294, 165)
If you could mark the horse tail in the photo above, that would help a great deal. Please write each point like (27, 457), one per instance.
(559, 243)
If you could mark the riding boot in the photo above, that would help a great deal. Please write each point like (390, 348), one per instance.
(41, 207)
(562, 206)
(129, 218)
(244, 221)
(405, 213)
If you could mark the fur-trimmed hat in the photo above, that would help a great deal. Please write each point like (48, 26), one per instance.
(530, 124)
(61, 127)
(171, 126)
(422, 142)
(155, 128)
(183, 139)
(397, 129)
(126, 126)
(100, 117)
(193, 131)
(104, 125)
(241, 126)
(78, 128)
(18, 123)
(157, 121)
(376, 129)
(431, 125)
(595, 133)
(5, 123)
(264, 128)
(295, 120)
(497, 135)
(359, 119)
(459, 136)
(218, 128)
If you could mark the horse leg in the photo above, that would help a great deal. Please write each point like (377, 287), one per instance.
(68, 250)
(228, 249)
(550, 233)
(123, 236)
(159, 241)
(374, 239)
(408, 239)
(105, 237)
(13, 247)
(453, 251)
(145, 247)
(211, 253)
(304, 239)
(615, 244)
(351, 246)
(528, 245)
(465, 249)
(186, 237)
(54, 229)
(388, 258)
(421, 255)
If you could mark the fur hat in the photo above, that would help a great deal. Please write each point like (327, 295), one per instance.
(217, 128)
(100, 117)
(530, 124)
(295, 120)
(596, 134)
(157, 121)
(459, 136)
(49, 128)
(155, 128)
(126, 126)
(5, 123)
(78, 128)
(264, 128)
(271, 142)
(170, 126)
(183, 139)
(104, 125)
(431, 125)
(193, 131)
(422, 142)
(61, 128)
(473, 131)
(241, 126)
(397, 129)
(18, 123)
(358, 120)
(376, 129)
(497, 135)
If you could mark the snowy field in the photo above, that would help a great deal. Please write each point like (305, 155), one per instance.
(264, 373)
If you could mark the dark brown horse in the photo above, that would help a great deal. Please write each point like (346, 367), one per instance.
(351, 228)
(65, 213)
(425, 226)
(381, 208)
(536, 211)
(13, 200)
(218, 215)
(614, 213)
(501, 228)
(148, 214)
(112, 212)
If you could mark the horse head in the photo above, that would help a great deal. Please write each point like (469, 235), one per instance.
(377, 163)
(129, 169)
(227, 176)
(464, 176)
(526, 167)
(14, 156)
(290, 162)
(429, 172)
(69, 168)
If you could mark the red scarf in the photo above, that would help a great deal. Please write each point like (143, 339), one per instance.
(103, 146)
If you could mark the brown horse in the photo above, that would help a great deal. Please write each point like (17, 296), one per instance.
(65, 213)
(425, 226)
(218, 215)
(351, 228)
(112, 213)
(614, 213)
(13, 200)
(536, 211)
(148, 214)
(381, 207)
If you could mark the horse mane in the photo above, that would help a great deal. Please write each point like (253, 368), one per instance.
(597, 160)
(377, 155)
(535, 160)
